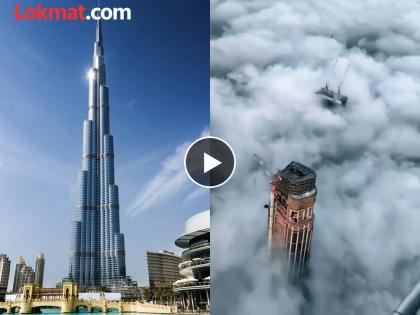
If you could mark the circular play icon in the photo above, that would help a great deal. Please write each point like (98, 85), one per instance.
(209, 162)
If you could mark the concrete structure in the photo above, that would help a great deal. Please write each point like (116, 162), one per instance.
(97, 254)
(39, 270)
(163, 269)
(20, 263)
(291, 217)
(33, 299)
(4, 275)
(194, 289)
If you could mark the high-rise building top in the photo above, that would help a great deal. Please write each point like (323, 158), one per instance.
(40, 256)
(291, 217)
(39, 270)
(4, 271)
(162, 268)
(20, 261)
(97, 254)
(296, 179)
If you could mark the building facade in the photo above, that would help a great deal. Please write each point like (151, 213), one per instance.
(20, 263)
(163, 269)
(4, 270)
(23, 275)
(4, 275)
(194, 288)
(97, 254)
(39, 270)
(291, 215)
(27, 276)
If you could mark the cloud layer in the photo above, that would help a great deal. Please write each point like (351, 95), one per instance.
(268, 59)
(171, 181)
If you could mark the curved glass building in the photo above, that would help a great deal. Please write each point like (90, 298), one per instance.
(194, 289)
(97, 254)
(163, 269)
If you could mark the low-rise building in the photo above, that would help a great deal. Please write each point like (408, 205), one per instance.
(163, 268)
(193, 289)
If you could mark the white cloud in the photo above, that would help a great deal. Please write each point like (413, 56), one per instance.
(194, 194)
(170, 182)
(268, 59)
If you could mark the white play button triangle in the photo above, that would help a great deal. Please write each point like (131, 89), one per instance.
(210, 162)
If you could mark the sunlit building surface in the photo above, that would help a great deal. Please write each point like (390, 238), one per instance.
(291, 216)
(194, 288)
(97, 254)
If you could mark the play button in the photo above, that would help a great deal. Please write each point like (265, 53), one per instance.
(209, 162)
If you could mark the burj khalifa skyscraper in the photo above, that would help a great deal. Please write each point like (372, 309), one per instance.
(97, 253)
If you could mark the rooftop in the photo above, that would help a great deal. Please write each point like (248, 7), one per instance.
(296, 172)
(195, 226)
(164, 252)
(295, 179)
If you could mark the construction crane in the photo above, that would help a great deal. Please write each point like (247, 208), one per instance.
(411, 304)
(330, 97)
(262, 165)
(268, 207)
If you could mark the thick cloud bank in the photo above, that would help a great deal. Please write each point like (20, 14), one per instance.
(268, 59)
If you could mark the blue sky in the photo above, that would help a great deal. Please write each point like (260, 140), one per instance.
(158, 73)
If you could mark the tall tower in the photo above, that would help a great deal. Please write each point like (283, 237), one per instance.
(39, 270)
(20, 263)
(97, 254)
(4, 275)
(291, 217)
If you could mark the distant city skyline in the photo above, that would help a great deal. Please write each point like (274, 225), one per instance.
(160, 100)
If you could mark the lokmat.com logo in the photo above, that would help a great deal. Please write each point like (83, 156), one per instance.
(39, 12)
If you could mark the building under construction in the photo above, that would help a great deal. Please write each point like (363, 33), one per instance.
(331, 98)
(291, 217)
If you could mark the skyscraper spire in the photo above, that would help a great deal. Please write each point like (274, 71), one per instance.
(99, 31)
(97, 255)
